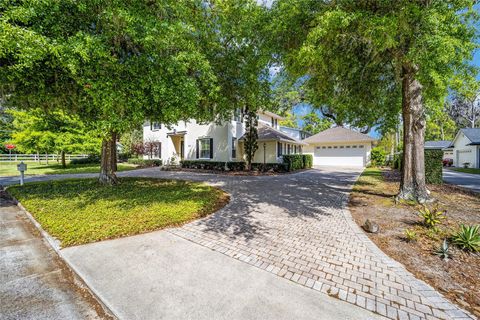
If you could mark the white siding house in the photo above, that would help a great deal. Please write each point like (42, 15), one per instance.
(339, 146)
(191, 140)
(466, 148)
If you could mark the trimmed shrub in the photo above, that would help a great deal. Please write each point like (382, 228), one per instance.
(213, 165)
(145, 162)
(378, 156)
(307, 161)
(91, 159)
(397, 161)
(433, 166)
(293, 161)
(275, 167)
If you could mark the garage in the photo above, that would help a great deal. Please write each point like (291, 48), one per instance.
(340, 146)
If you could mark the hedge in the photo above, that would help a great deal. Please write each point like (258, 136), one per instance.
(91, 159)
(275, 167)
(397, 161)
(433, 166)
(145, 162)
(307, 161)
(378, 156)
(213, 165)
(293, 161)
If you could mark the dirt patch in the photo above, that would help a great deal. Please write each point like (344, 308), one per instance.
(458, 278)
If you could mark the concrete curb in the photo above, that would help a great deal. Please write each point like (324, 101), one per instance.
(55, 245)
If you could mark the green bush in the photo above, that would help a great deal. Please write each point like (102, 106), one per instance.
(468, 238)
(397, 161)
(276, 167)
(91, 159)
(145, 162)
(307, 161)
(378, 156)
(213, 165)
(433, 166)
(293, 161)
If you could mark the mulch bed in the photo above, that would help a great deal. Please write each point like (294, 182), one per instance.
(458, 278)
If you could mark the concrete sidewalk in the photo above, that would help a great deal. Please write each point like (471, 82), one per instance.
(162, 276)
(34, 282)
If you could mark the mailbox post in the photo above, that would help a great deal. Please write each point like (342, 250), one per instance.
(22, 167)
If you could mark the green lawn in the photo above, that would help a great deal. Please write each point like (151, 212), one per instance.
(467, 170)
(10, 168)
(79, 211)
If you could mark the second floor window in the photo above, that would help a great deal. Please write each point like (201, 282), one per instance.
(155, 126)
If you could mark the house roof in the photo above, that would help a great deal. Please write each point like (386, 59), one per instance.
(441, 144)
(338, 134)
(473, 134)
(267, 133)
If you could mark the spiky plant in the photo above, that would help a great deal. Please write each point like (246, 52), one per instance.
(468, 238)
(444, 251)
(431, 217)
(410, 235)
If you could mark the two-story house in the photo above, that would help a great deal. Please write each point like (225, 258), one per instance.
(191, 140)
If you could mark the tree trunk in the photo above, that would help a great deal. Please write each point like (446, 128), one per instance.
(412, 184)
(64, 162)
(108, 162)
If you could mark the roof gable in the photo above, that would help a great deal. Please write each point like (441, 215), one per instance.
(338, 134)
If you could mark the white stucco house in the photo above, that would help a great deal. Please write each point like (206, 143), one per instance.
(340, 146)
(190, 140)
(466, 148)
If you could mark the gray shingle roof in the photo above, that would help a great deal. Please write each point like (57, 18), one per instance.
(267, 133)
(473, 134)
(338, 134)
(441, 144)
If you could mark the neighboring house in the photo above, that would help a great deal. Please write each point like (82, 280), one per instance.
(191, 140)
(339, 146)
(466, 148)
(298, 134)
(443, 145)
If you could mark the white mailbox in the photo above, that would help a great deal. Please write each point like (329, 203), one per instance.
(22, 167)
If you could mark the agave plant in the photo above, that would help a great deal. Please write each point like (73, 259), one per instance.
(431, 217)
(468, 238)
(444, 251)
(410, 235)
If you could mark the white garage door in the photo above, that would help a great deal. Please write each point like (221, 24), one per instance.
(348, 156)
(464, 156)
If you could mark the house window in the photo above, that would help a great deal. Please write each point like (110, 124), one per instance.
(279, 149)
(205, 148)
(335, 147)
(355, 147)
(234, 148)
(361, 147)
(295, 149)
(324, 147)
(341, 147)
(329, 147)
(276, 123)
(273, 122)
(288, 149)
(348, 147)
(155, 126)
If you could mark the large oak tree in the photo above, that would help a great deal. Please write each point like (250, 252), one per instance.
(369, 59)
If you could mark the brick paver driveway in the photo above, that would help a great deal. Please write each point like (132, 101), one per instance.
(296, 226)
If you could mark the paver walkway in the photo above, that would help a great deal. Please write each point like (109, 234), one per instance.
(296, 227)
(34, 283)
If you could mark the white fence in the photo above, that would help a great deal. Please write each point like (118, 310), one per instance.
(38, 157)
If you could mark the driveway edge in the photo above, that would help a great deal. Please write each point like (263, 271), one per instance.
(430, 295)
(55, 245)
